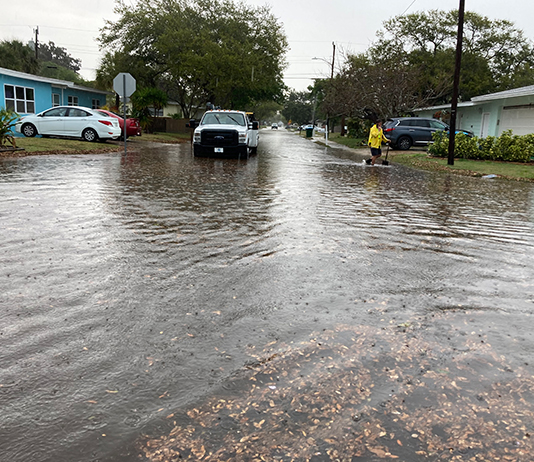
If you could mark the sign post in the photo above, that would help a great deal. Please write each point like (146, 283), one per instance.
(124, 86)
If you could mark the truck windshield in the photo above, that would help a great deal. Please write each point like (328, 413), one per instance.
(223, 118)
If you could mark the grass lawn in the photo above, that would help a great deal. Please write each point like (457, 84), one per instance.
(420, 159)
(38, 145)
(41, 146)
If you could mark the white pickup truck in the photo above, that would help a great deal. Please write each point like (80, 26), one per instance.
(225, 133)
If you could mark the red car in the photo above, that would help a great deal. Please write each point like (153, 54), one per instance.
(132, 125)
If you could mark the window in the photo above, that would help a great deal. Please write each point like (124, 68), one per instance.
(77, 113)
(20, 99)
(96, 104)
(417, 123)
(73, 101)
(55, 99)
(438, 125)
(155, 112)
(59, 112)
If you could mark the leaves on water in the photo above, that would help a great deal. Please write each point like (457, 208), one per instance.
(361, 393)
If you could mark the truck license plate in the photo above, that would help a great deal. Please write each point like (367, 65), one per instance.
(219, 149)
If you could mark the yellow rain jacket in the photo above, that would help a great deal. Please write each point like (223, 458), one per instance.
(376, 136)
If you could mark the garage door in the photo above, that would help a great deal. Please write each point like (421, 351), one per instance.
(519, 120)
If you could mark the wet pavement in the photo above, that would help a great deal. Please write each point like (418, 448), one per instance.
(297, 305)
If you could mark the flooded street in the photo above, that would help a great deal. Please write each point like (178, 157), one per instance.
(159, 297)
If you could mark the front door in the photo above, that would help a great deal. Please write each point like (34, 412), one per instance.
(51, 122)
(485, 125)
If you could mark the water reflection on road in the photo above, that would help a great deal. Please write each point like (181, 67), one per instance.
(134, 286)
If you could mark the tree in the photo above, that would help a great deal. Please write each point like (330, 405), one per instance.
(53, 62)
(266, 110)
(18, 57)
(58, 55)
(143, 100)
(230, 54)
(299, 107)
(495, 53)
(412, 64)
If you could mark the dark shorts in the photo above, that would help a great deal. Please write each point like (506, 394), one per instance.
(376, 152)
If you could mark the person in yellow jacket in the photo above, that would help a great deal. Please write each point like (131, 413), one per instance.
(376, 136)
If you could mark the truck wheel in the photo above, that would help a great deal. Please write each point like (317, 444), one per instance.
(243, 152)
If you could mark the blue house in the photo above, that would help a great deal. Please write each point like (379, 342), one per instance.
(31, 94)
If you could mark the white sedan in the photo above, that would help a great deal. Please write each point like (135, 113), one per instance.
(70, 121)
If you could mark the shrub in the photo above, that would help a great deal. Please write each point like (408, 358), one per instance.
(440, 147)
(466, 147)
(8, 119)
(507, 147)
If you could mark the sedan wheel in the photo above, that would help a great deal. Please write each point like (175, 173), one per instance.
(89, 135)
(29, 130)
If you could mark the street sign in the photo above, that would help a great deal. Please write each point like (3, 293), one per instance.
(124, 84)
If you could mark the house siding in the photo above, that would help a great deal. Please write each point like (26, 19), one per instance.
(42, 93)
(470, 116)
(43, 89)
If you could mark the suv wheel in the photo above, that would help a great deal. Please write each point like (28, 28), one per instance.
(404, 143)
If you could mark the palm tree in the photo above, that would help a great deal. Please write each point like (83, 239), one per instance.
(143, 100)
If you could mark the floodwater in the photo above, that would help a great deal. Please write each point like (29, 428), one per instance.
(135, 288)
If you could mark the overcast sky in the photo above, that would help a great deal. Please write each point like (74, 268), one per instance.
(310, 25)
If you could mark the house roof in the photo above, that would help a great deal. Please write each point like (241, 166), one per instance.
(445, 106)
(53, 82)
(515, 93)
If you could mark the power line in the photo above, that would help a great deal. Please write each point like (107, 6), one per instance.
(50, 27)
(402, 14)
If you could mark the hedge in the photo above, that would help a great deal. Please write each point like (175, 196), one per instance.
(507, 147)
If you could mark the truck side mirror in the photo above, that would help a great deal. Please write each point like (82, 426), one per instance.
(192, 124)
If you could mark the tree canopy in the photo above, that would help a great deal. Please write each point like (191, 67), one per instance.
(411, 65)
(298, 107)
(218, 51)
(52, 61)
(58, 55)
(17, 56)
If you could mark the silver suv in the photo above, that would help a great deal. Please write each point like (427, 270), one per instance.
(405, 132)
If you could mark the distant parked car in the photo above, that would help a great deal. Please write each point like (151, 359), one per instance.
(274, 127)
(71, 122)
(405, 132)
(132, 125)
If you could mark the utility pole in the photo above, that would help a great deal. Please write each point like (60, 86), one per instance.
(454, 102)
(333, 59)
(331, 82)
(36, 30)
